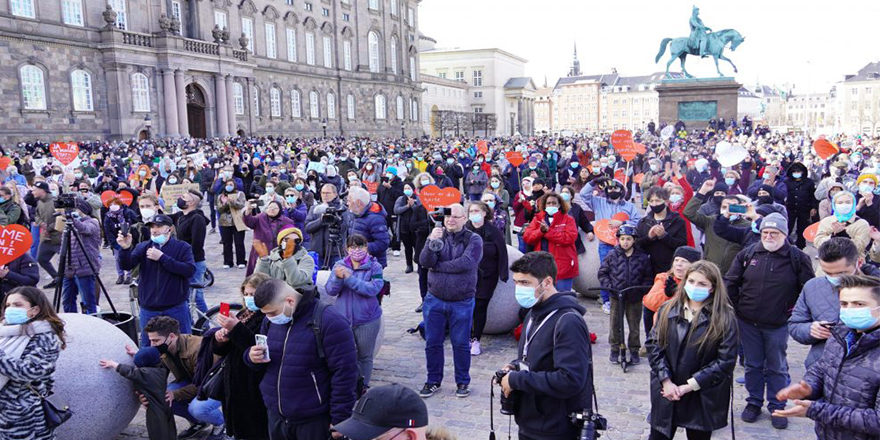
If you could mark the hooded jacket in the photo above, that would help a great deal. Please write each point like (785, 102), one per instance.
(619, 271)
(296, 270)
(560, 376)
(356, 294)
(800, 199)
(372, 225)
(90, 251)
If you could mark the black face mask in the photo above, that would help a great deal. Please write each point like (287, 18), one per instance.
(181, 203)
(765, 200)
(163, 348)
(657, 209)
(717, 199)
(614, 195)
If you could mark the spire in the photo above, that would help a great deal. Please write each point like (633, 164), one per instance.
(575, 69)
(545, 81)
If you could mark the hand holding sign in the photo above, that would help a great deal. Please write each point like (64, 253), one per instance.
(15, 240)
(623, 144)
(432, 197)
(65, 152)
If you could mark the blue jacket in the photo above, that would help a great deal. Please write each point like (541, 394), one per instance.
(605, 209)
(162, 284)
(357, 294)
(297, 384)
(452, 271)
(372, 224)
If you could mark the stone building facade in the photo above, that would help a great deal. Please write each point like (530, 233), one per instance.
(118, 69)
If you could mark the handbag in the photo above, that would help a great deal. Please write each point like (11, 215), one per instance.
(212, 387)
(55, 410)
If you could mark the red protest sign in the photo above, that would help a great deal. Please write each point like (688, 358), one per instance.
(514, 157)
(641, 148)
(124, 196)
(620, 216)
(15, 240)
(372, 187)
(619, 174)
(483, 146)
(65, 152)
(810, 232)
(825, 149)
(639, 178)
(605, 233)
(4, 162)
(432, 197)
(622, 142)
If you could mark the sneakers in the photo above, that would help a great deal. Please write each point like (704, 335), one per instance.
(419, 308)
(462, 390)
(409, 269)
(226, 266)
(779, 422)
(429, 389)
(192, 431)
(396, 253)
(751, 414)
(615, 357)
(634, 357)
(606, 307)
(217, 433)
(120, 279)
(241, 266)
(475, 347)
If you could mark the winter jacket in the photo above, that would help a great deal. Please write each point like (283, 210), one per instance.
(523, 208)
(187, 357)
(298, 385)
(21, 415)
(619, 271)
(452, 271)
(819, 301)
(780, 190)
(558, 240)
(846, 388)
(764, 286)
(857, 230)
(113, 222)
(412, 220)
(560, 378)
(162, 284)
(231, 212)
(800, 199)
(45, 215)
(372, 224)
(716, 249)
(266, 230)
(742, 234)
(357, 300)
(387, 197)
(23, 271)
(10, 213)
(319, 231)
(151, 382)
(192, 228)
(711, 367)
(493, 264)
(679, 206)
(296, 271)
(299, 213)
(90, 251)
(475, 183)
(661, 249)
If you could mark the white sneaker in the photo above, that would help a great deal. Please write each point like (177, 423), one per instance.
(226, 266)
(475, 348)
(606, 307)
(396, 253)
(241, 266)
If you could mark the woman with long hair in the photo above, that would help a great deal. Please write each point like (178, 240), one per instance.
(692, 351)
(553, 230)
(31, 338)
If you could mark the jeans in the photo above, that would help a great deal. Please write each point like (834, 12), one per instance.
(632, 313)
(179, 312)
(82, 287)
(764, 354)
(199, 278)
(365, 336)
(208, 411)
(564, 285)
(315, 429)
(181, 409)
(523, 247)
(603, 251)
(232, 235)
(44, 257)
(35, 233)
(458, 315)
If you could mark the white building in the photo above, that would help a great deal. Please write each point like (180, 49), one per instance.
(813, 112)
(442, 94)
(858, 101)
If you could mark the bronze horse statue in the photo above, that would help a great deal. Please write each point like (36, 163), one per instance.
(716, 42)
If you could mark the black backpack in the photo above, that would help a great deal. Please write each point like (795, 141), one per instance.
(794, 253)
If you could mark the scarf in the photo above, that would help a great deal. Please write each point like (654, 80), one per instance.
(13, 342)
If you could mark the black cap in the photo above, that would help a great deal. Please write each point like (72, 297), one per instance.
(384, 408)
(42, 185)
(160, 219)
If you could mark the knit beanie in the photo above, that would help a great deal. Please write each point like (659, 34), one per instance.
(688, 253)
(775, 221)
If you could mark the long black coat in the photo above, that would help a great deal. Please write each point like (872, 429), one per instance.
(493, 265)
(801, 198)
(662, 250)
(712, 368)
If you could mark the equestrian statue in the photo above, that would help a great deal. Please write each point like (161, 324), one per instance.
(702, 42)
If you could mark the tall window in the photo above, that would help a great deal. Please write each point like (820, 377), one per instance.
(412, 68)
(459, 76)
(380, 106)
(176, 11)
(33, 88)
(140, 92)
(23, 8)
(220, 19)
(247, 28)
(478, 78)
(414, 110)
(331, 106)
(373, 44)
(81, 84)
(295, 105)
(271, 49)
(411, 16)
(121, 16)
(346, 54)
(374, 4)
(328, 52)
(394, 54)
(394, 7)
(291, 45)
(238, 98)
(399, 107)
(256, 92)
(275, 102)
(72, 12)
(350, 102)
(310, 48)
(314, 105)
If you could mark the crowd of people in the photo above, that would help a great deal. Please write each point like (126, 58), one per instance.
(702, 258)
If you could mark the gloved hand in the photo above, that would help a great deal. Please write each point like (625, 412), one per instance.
(671, 287)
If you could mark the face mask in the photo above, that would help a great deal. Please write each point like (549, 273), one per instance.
(291, 199)
(858, 318)
(369, 167)
(525, 296)
(532, 166)
(159, 239)
(565, 197)
(614, 195)
(657, 209)
(147, 213)
(181, 203)
(250, 304)
(551, 210)
(54, 193)
(408, 192)
(476, 219)
(491, 204)
(574, 165)
(496, 185)
(172, 181)
(865, 188)
(142, 173)
(409, 165)
(299, 186)
(698, 294)
(282, 318)
(843, 212)
(389, 176)
(229, 188)
(797, 175)
(655, 168)
(765, 200)
(270, 189)
(358, 255)
(352, 178)
(16, 315)
(163, 348)
(835, 281)
(729, 181)
(674, 198)
(78, 175)
(450, 161)
(115, 208)
(425, 182)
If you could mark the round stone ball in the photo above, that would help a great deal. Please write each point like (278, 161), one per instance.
(588, 268)
(103, 402)
(503, 313)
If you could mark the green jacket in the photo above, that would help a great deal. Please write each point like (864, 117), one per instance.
(10, 212)
(716, 249)
(296, 271)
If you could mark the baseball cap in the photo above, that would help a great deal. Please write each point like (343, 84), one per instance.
(384, 408)
(42, 185)
(160, 219)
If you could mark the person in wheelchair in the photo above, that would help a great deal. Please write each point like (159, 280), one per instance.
(290, 261)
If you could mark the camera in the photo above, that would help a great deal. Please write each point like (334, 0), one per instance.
(332, 218)
(66, 202)
(506, 401)
(590, 424)
(439, 215)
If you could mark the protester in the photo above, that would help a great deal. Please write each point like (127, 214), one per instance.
(117, 215)
(716, 249)
(412, 224)
(844, 223)
(553, 230)
(660, 232)
(289, 261)
(666, 284)
(84, 263)
(367, 218)
(230, 204)
(266, 226)
(389, 191)
(493, 267)
(50, 237)
(192, 228)
(802, 206)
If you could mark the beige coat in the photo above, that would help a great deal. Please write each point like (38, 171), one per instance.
(857, 229)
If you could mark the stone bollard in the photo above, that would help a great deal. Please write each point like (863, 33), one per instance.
(588, 268)
(503, 313)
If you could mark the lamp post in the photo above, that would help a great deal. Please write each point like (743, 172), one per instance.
(402, 128)
(148, 122)
(324, 126)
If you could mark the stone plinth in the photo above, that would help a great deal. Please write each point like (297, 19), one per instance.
(695, 101)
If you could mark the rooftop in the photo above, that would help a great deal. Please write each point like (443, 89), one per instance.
(871, 72)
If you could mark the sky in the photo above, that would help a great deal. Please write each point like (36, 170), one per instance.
(809, 44)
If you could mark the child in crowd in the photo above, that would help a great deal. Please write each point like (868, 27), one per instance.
(150, 379)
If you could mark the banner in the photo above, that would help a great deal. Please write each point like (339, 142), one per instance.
(170, 193)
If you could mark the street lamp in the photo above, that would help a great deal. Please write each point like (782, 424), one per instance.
(402, 128)
(324, 126)
(148, 122)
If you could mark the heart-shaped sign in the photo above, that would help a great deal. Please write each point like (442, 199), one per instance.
(825, 149)
(432, 197)
(15, 240)
(620, 216)
(123, 196)
(65, 152)
(514, 157)
(667, 132)
(4, 162)
(729, 154)
(483, 147)
(810, 232)
(605, 233)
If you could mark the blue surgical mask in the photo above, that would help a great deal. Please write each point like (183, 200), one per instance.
(729, 181)
(408, 192)
(857, 318)
(291, 199)
(734, 217)
(250, 304)
(797, 175)
(491, 204)
(450, 161)
(159, 239)
(835, 281)
(551, 210)
(16, 315)
(299, 186)
(496, 184)
(565, 196)
(476, 218)
(698, 294)
(755, 227)
(525, 296)
(574, 165)
(674, 198)
(281, 318)
(229, 188)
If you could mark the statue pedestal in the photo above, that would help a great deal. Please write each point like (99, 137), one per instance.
(695, 101)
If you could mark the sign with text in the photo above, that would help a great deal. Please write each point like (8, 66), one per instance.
(15, 240)
(124, 196)
(622, 141)
(372, 187)
(170, 193)
(483, 147)
(65, 152)
(432, 197)
(514, 157)
(605, 232)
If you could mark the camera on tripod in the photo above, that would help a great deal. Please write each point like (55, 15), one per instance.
(332, 218)
(66, 202)
(590, 424)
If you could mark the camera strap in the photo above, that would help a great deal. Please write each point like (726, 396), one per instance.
(531, 335)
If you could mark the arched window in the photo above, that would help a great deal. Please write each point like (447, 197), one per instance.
(414, 110)
(238, 98)
(373, 44)
(394, 54)
(256, 93)
(350, 99)
(140, 92)
(380, 106)
(314, 105)
(400, 107)
(33, 88)
(331, 106)
(295, 106)
(275, 102)
(81, 83)
(412, 68)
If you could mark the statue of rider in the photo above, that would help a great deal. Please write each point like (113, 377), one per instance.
(698, 39)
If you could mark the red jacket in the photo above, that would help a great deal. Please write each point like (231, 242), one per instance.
(558, 240)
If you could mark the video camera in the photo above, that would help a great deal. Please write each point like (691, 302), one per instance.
(439, 215)
(332, 218)
(67, 202)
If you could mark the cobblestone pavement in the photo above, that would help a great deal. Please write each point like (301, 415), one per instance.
(623, 397)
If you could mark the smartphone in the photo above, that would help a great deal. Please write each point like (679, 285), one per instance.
(224, 309)
(124, 228)
(826, 325)
(737, 209)
(263, 341)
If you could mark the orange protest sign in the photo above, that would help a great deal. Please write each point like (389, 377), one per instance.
(123, 196)
(4, 162)
(65, 152)
(432, 197)
(638, 178)
(372, 187)
(810, 232)
(483, 146)
(619, 174)
(825, 149)
(641, 148)
(605, 233)
(514, 157)
(622, 142)
(620, 216)
(15, 240)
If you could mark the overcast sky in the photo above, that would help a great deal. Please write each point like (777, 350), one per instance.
(809, 43)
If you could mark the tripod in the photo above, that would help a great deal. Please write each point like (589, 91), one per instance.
(334, 243)
(64, 262)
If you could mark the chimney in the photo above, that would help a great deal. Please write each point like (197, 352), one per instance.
(614, 70)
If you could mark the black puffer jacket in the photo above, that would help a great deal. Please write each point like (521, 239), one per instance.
(800, 192)
(619, 272)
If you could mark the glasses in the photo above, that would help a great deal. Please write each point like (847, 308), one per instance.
(770, 234)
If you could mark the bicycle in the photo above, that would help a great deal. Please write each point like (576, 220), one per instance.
(624, 362)
(204, 321)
